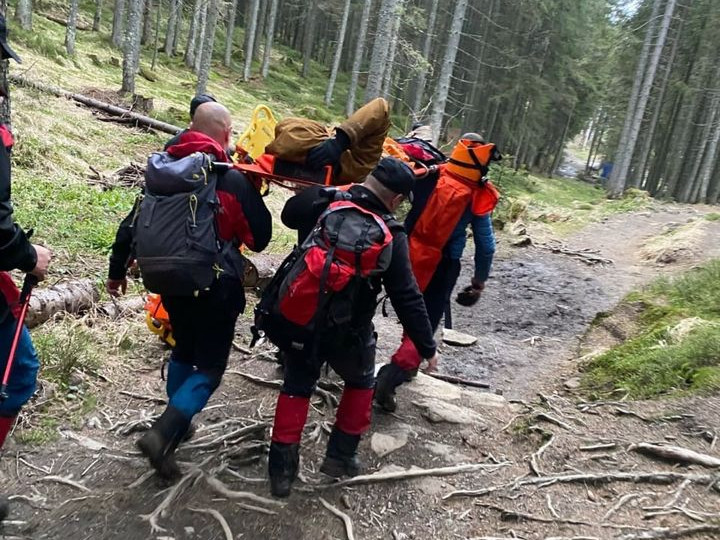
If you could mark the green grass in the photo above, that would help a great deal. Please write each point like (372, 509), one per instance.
(564, 204)
(65, 348)
(658, 361)
(713, 216)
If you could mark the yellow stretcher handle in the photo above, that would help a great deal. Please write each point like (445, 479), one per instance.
(259, 133)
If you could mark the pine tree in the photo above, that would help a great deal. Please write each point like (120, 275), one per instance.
(270, 34)
(232, 10)
(381, 46)
(251, 24)
(358, 58)
(338, 52)
(207, 46)
(23, 14)
(70, 28)
(427, 47)
(118, 28)
(131, 53)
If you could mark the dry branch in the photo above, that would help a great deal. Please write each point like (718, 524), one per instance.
(342, 515)
(258, 509)
(414, 473)
(67, 480)
(218, 516)
(514, 515)
(63, 21)
(675, 453)
(153, 517)
(225, 491)
(330, 399)
(667, 532)
(70, 297)
(655, 477)
(458, 380)
(139, 119)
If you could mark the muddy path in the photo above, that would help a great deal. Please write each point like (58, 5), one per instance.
(91, 484)
(537, 303)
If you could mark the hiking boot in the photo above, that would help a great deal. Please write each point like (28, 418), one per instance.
(190, 433)
(159, 443)
(341, 457)
(283, 463)
(388, 379)
(4, 508)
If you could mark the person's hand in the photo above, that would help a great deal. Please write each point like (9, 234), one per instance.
(329, 151)
(116, 287)
(432, 363)
(44, 255)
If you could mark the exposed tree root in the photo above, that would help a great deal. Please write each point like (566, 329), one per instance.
(225, 491)
(342, 515)
(173, 493)
(667, 532)
(219, 517)
(67, 480)
(676, 453)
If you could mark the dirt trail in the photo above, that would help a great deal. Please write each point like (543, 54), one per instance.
(533, 293)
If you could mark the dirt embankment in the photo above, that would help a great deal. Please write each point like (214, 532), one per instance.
(484, 465)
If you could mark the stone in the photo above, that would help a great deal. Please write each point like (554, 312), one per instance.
(437, 411)
(521, 241)
(383, 443)
(573, 383)
(460, 339)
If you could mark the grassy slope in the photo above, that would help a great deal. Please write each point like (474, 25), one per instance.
(678, 345)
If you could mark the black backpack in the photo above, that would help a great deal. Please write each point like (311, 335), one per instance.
(317, 289)
(176, 242)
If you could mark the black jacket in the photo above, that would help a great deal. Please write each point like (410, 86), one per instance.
(15, 248)
(302, 211)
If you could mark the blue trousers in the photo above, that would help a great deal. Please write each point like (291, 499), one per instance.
(23, 375)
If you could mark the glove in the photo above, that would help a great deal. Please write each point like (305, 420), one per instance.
(329, 151)
(470, 294)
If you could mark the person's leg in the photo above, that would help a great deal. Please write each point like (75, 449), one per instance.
(405, 361)
(453, 275)
(21, 384)
(353, 415)
(23, 375)
(290, 416)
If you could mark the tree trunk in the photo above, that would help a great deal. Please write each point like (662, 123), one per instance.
(178, 28)
(193, 33)
(427, 48)
(561, 147)
(443, 85)
(272, 18)
(357, 62)
(118, 28)
(250, 29)
(69, 297)
(207, 48)
(260, 30)
(23, 14)
(636, 106)
(232, 11)
(390, 64)
(202, 28)
(70, 29)
(171, 27)
(381, 46)
(309, 37)
(131, 55)
(156, 45)
(338, 52)
(97, 17)
(147, 22)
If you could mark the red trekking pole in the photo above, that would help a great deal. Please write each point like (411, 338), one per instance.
(28, 284)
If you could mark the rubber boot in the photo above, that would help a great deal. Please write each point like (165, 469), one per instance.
(283, 463)
(341, 456)
(6, 424)
(388, 379)
(159, 443)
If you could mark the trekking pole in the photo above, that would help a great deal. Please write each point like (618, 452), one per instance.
(28, 284)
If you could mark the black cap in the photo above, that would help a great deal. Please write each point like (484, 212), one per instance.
(395, 175)
(5, 49)
(199, 100)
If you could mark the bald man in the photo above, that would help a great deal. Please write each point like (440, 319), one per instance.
(203, 324)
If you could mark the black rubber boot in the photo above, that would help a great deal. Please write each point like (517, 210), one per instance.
(190, 433)
(159, 443)
(341, 457)
(388, 379)
(283, 463)
(4, 508)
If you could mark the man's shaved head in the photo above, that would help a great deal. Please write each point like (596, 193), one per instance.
(214, 120)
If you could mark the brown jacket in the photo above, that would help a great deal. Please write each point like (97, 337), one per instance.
(367, 128)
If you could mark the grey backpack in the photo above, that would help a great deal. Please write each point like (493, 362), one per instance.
(176, 242)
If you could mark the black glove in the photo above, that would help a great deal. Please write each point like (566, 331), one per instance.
(470, 294)
(329, 151)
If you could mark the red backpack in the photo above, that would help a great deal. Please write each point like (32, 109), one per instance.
(316, 287)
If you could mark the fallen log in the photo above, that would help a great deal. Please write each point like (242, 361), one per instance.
(139, 119)
(116, 309)
(71, 296)
(457, 380)
(675, 453)
(78, 25)
(259, 270)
